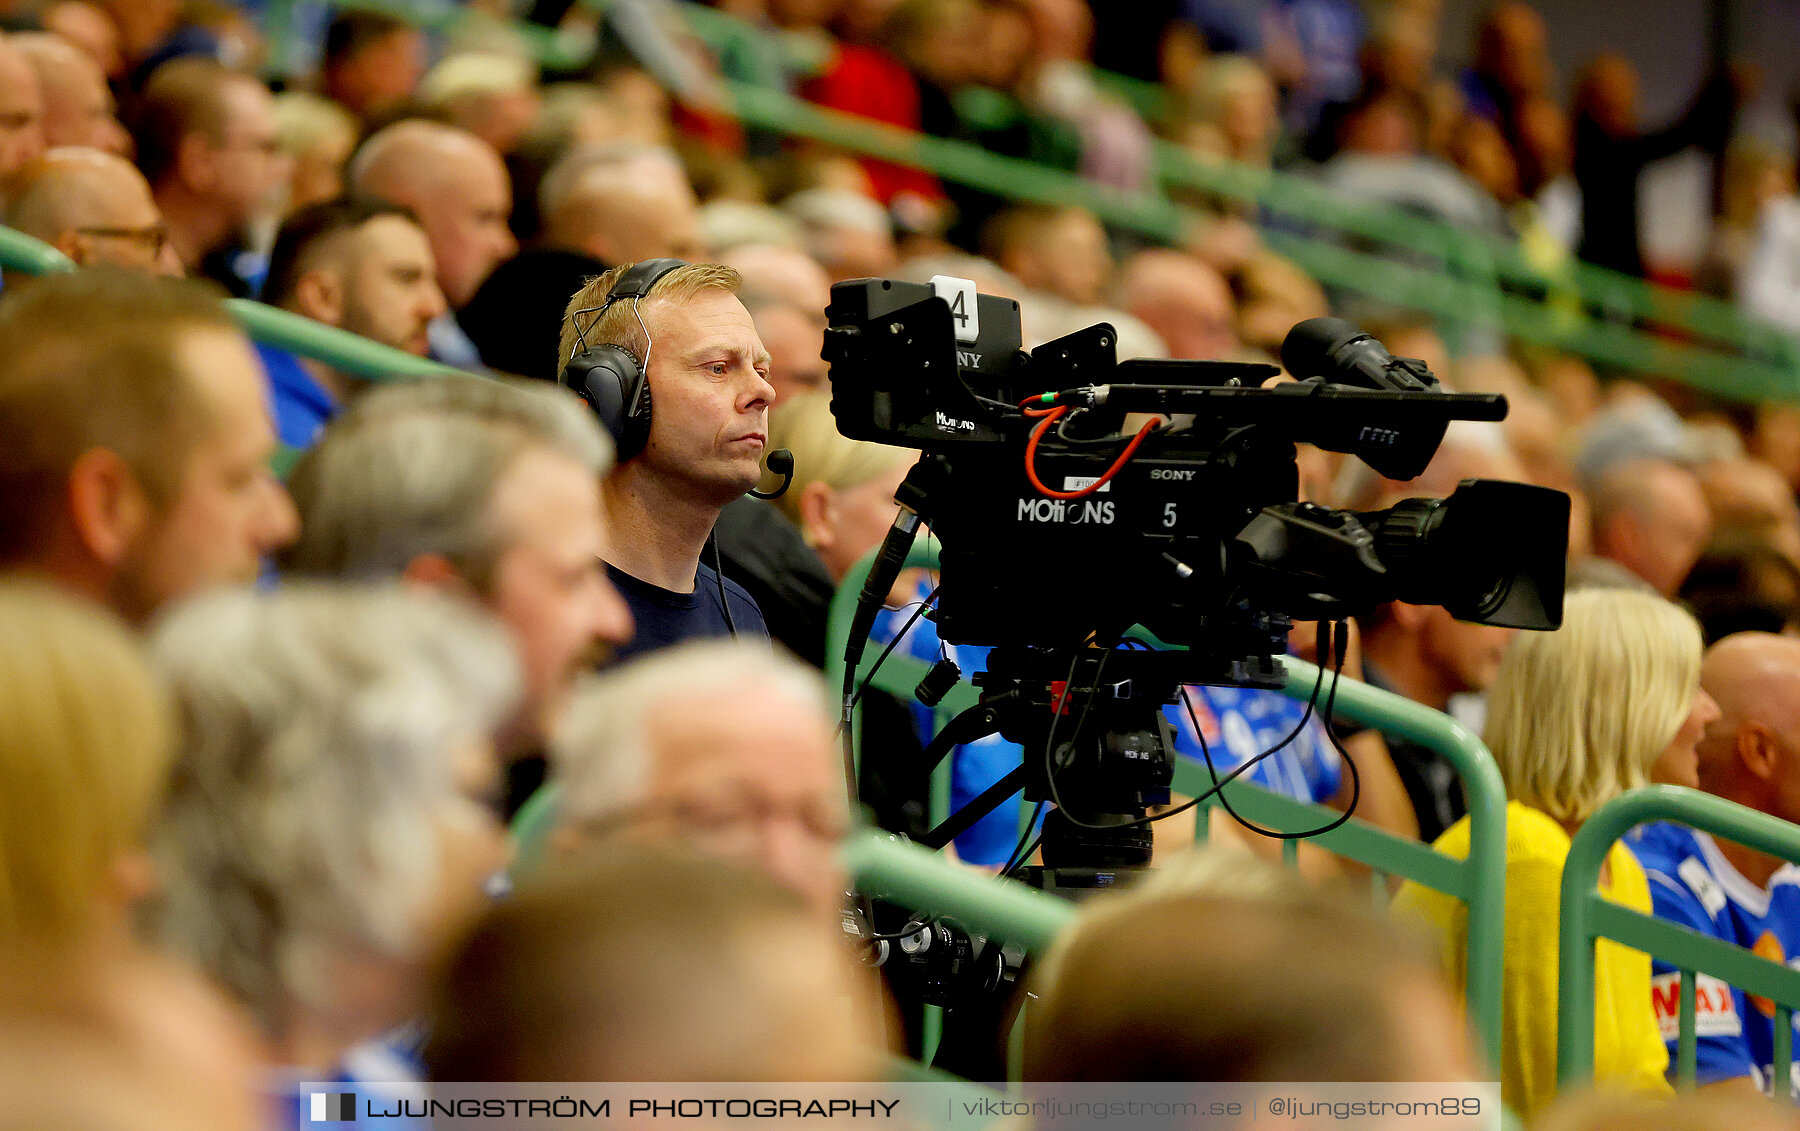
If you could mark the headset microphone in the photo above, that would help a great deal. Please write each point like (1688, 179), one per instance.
(781, 462)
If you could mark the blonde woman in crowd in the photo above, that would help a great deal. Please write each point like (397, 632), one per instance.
(84, 753)
(1575, 718)
(842, 496)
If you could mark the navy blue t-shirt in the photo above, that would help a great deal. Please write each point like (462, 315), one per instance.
(664, 617)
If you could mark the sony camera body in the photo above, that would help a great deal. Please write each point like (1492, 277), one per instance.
(1198, 536)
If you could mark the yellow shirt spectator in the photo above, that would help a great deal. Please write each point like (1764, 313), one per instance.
(1628, 1048)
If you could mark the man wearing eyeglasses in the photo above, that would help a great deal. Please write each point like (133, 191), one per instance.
(92, 206)
(722, 746)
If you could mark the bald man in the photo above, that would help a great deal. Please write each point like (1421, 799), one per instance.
(600, 207)
(90, 29)
(1651, 517)
(1750, 755)
(458, 188)
(1187, 303)
(21, 109)
(786, 292)
(78, 105)
(1060, 251)
(621, 206)
(92, 206)
(785, 271)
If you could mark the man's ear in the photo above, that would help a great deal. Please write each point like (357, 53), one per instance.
(1756, 750)
(435, 571)
(107, 505)
(818, 514)
(319, 294)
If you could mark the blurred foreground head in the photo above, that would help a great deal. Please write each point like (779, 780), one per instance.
(103, 1036)
(329, 824)
(481, 487)
(649, 963)
(134, 441)
(1236, 972)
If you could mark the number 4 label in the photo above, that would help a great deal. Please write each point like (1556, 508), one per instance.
(960, 294)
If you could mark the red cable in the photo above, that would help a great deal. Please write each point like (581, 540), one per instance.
(1051, 416)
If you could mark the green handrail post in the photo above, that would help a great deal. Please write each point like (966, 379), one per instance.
(919, 878)
(279, 26)
(1481, 878)
(339, 349)
(295, 333)
(1587, 916)
(19, 252)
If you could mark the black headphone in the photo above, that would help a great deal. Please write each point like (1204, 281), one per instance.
(608, 377)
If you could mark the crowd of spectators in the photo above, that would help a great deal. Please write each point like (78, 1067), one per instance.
(259, 734)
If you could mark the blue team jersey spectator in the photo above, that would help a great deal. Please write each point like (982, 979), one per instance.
(1692, 884)
(1239, 723)
(301, 406)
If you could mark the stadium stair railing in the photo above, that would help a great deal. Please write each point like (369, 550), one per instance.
(269, 325)
(1587, 916)
(295, 333)
(1478, 881)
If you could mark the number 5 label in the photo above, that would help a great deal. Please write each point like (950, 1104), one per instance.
(960, 294)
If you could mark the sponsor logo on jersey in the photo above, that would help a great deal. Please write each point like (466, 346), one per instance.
(1715, 1013)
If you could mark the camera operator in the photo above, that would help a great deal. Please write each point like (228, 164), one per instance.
(691, 430)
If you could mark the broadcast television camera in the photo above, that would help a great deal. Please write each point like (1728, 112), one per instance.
(1064, 523)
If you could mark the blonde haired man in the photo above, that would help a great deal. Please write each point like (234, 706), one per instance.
(670, 359)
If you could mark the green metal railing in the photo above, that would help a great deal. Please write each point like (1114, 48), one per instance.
(1479, 880)
(1453, 299)
(924, 880)
(883, 867)
(1587, 917)
(295, 333)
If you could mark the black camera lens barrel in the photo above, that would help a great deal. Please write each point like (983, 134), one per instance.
(1337, 351)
